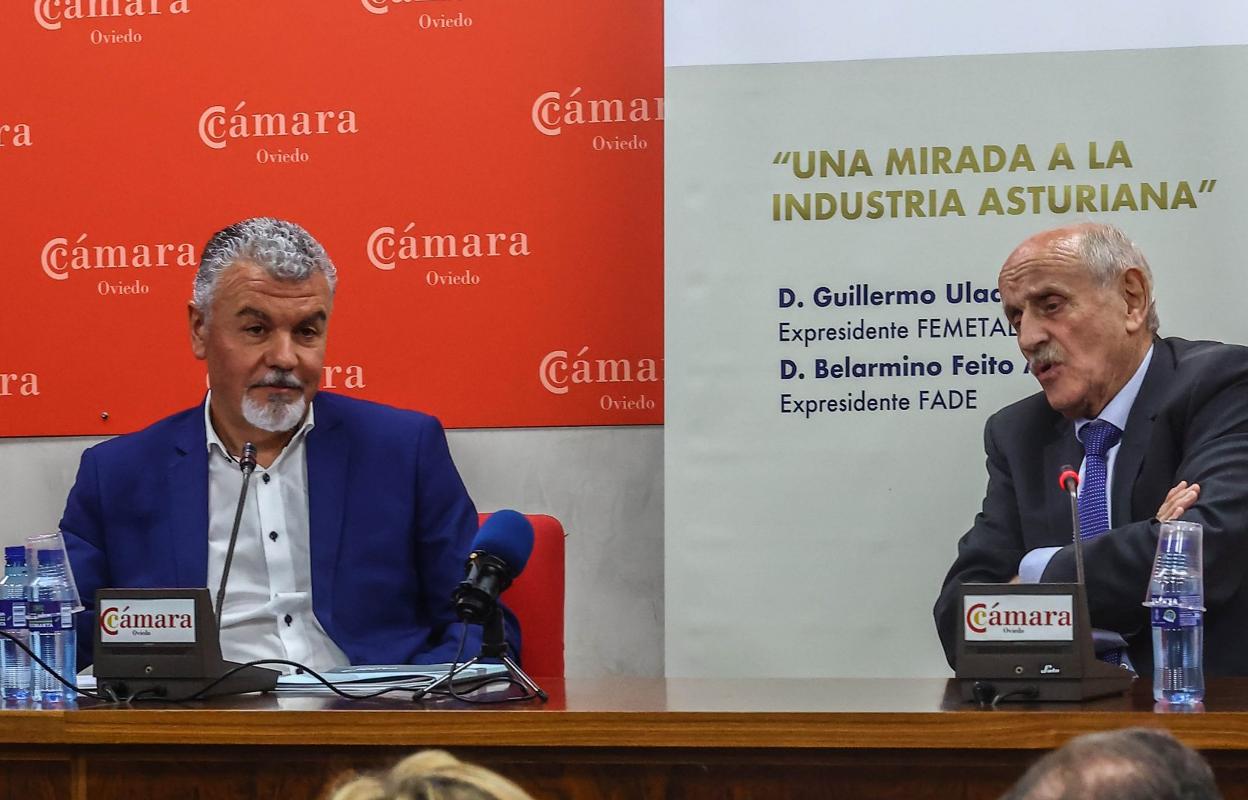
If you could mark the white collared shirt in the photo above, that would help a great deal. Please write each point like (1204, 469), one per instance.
(1116, 411)
(268, 599)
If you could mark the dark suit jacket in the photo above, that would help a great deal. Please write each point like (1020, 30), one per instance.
(390, 526)
(1189, 422)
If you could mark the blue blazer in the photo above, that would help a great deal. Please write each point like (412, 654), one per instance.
(390, 526)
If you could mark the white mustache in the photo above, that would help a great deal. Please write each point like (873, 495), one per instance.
(1048, 353)
(279, 379)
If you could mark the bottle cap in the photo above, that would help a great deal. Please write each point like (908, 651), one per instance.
(51, 557)
(15, 555)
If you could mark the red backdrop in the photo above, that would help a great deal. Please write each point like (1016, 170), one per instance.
(486, 176)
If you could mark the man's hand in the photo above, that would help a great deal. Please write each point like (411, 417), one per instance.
(1180, 499)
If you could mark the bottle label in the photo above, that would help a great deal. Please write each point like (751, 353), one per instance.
(1174, 618)
(49, 615)
(12, 615)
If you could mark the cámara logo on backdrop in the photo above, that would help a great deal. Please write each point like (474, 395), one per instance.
(552, 112)
(110, 263)
(432, 13)
(18, 384)
(219, 126)
(559, 372)
(52, 15)
(339, 377)
(388, 247)
(15, 134)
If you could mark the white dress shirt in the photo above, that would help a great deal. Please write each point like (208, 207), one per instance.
(268, 598)
(1115, 412)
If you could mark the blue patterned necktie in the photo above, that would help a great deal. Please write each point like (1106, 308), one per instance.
(1098, 437)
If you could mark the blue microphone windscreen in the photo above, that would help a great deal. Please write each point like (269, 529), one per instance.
(508, 535)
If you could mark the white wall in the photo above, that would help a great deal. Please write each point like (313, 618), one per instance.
(604, 484)
(790, 31)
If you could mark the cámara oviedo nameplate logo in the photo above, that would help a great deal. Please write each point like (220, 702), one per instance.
(147, 621)
(107, 21)
(623, 384)
(613, 121)
(1018, 617)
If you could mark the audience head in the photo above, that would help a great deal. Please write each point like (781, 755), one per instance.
(1135, 763)
(431, 775)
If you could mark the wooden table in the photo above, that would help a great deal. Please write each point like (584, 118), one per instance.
(615, 738)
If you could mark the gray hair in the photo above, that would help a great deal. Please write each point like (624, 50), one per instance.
(1139, 763)
(283, 249)
(1107, 253)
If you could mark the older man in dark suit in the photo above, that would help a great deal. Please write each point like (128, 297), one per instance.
(1158, 427)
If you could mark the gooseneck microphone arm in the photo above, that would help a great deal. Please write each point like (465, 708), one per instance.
(1069, 481)
(247, 463)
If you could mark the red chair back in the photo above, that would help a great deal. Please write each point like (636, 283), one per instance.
(536, 598)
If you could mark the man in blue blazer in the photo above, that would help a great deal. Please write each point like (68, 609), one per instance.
(357, 524)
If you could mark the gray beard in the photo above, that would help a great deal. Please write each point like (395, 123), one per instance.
(276, 416)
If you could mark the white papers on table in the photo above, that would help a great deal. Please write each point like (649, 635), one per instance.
(373, 677)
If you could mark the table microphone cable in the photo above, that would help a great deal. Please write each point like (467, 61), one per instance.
(111, 698)
(450, 687)
(155, 695)
(152, 694)
(986, 695)
(200, 693)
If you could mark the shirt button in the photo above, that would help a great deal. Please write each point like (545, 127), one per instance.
(273, 536)
(289, 619)
(265, 477)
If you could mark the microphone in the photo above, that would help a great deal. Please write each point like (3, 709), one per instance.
(499, 553)
(1068, 479)
(247, 463)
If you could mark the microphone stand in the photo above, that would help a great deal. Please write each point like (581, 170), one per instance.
(247, 463)
(193, 669)
(493, 645)
(1070, 484)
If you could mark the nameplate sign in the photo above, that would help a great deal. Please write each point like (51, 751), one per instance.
(124, 621)
(1018, 618)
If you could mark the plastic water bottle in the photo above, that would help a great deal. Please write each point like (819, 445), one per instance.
(1178, 648)
(1176, 599)
(49, 615)
(14, 662)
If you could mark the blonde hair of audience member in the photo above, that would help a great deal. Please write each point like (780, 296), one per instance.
(431, 775)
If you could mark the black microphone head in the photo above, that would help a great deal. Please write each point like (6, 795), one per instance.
(499, 553)
(247, 462)
(1068, 478)
(507, 535)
